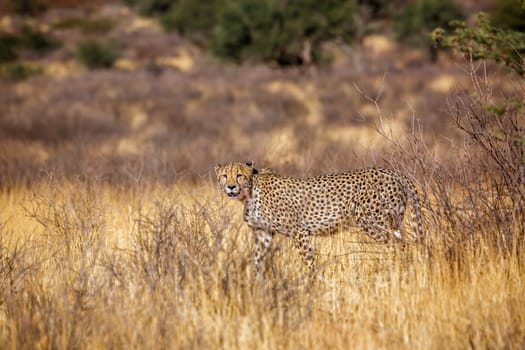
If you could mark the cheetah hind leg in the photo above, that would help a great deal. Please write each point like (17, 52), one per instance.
(375, 229)
(383, 227)
(396, 222)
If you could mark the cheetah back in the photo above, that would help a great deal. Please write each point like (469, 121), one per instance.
(373, 197)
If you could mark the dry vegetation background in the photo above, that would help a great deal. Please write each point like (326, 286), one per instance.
(113, 235)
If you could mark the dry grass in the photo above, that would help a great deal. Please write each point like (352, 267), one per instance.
(90, 263)
(90, 266)
(101, 250)
(113, 235)
(169, 102)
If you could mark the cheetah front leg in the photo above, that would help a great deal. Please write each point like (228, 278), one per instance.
(303, 243)
(263, 242)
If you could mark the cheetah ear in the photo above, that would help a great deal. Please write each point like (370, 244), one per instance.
(217, 167)
(252, 165)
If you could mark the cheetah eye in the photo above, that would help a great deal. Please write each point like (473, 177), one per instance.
(224, 176)
(239, 176)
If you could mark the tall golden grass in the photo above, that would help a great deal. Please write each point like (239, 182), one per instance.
(91, 266)
(113, 235)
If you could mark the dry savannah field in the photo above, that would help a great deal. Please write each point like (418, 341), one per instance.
(113, 233)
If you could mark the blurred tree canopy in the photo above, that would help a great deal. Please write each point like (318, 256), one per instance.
(286, 32)
(381, 9)
(293, 32)
(35, 7)
(416, 21)
(28, 40)
(498, 36)
(508, 14)
(95, 54)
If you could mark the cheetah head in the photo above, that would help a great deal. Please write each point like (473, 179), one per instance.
(234, 179)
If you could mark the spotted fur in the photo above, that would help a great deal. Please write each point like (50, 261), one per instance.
(373, 198)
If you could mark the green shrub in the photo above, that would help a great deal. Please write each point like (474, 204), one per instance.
(286, 33)
(26, 7)
(192, 18)
(415, 23)
(95, 54)
(37, 41)
(154, 7)
(18, 71)
(8, 45)
(486, 42)
(26, 38)
(86, 25)
(246, 27)
(508, 14)
(381, 8)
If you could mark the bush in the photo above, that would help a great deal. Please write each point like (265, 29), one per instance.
(86, 25)
(26, 7)
(8, 45)
(508, 14)
(95, 54)
(415, 23)
(286, 33)
(152, 7)
(495, 126)
(191, 18)
(37, 41)
(486, 42)
(290, 32)
(494, 123)
(18, 71)
(381, 8)
(26, 39)
(241, 30)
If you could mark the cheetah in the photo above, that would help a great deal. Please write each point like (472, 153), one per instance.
(373, 198)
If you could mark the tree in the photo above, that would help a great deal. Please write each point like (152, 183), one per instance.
(508, 14)
(289, 33)
(415, 23)
(486, 41)
(493, 122)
